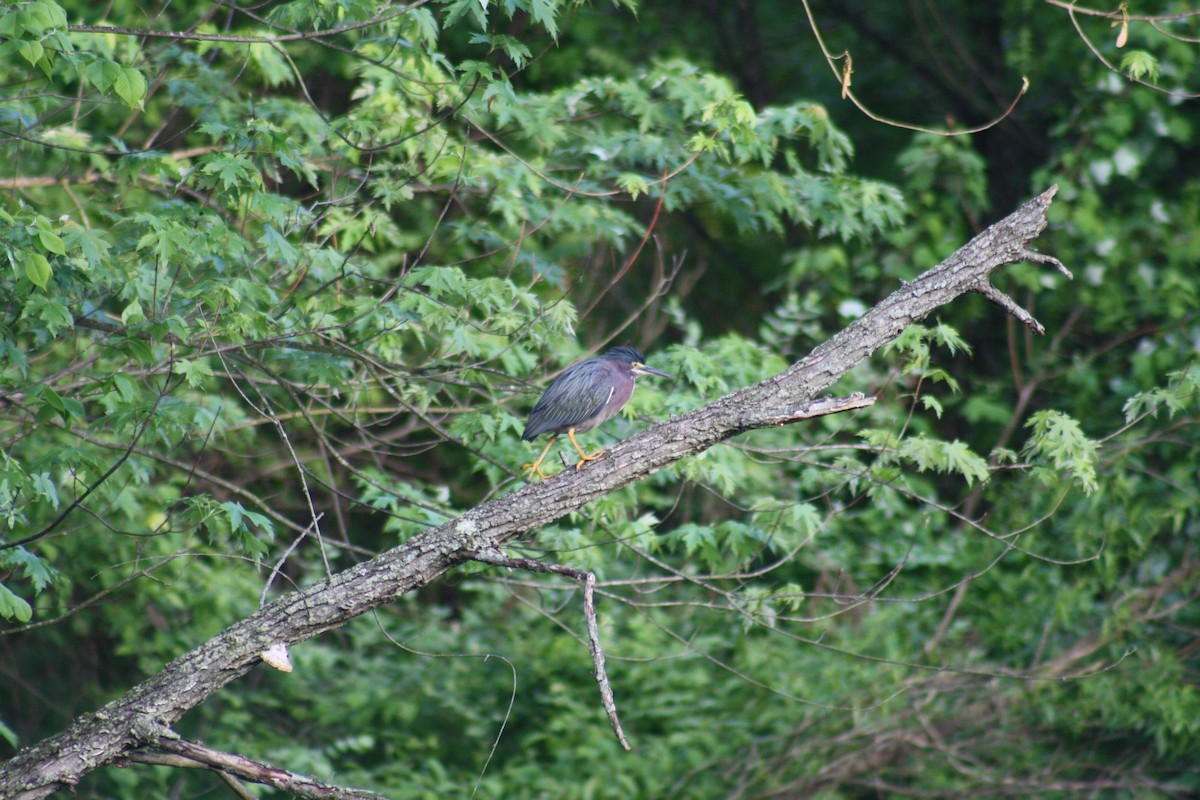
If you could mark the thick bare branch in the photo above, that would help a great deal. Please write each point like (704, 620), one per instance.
(113, 732)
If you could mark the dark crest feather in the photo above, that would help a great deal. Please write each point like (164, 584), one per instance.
(625, 353)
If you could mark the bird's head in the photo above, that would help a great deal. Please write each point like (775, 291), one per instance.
(635, 360)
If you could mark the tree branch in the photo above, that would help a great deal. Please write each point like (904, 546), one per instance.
(126, 724)
(588, 581)
(192, 755)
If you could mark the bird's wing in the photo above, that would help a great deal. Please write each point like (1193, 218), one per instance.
(575, 396)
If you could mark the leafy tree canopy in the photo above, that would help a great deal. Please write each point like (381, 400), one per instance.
(280, 282)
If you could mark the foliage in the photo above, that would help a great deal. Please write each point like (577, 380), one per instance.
(279, 284)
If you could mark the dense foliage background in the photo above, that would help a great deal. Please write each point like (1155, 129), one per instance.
(280, 281)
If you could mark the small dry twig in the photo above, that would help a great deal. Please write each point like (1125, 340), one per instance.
(588, 580)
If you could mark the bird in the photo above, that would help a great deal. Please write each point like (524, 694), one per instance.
(586, 395)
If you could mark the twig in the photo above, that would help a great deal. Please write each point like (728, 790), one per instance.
(78, 501)
(817, 408)
(845, 73)
(588, 579)
(182, 753)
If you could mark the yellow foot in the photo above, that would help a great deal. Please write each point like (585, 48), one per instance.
(534, 469)
(536, 466)
(583, 459)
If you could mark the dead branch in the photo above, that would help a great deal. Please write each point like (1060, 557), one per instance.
(129, 723)
(588, 581)
(169, 750)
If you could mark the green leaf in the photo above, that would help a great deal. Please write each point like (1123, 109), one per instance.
(50, 13)
(13, 607)
(50, 311)
(72, 409)
(633, 183)
(125, 386)
(31, 51)
(52, 403)
(242, 522)
(138, 349)
(1059, 439)
(44, 485)
(101, 73)
(1140, 65)
(271, 64)
(193, 372)
(32, 568)
(37, 269)
(960, 459)
(129, 85)
(949, 338)
(133, 314)
(52, 242)
(544, 14)
(232, 171)
(455, 10)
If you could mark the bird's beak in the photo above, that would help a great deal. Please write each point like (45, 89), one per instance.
(642, 369)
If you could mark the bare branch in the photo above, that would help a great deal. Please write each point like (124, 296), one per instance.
(845, 74)
(129, 722)
(588, 580)
(817, 408)
(193, 755)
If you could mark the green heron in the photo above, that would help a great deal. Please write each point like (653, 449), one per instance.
(586, 395)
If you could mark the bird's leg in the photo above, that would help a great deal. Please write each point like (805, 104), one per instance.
(536, 466)
(583, 457)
